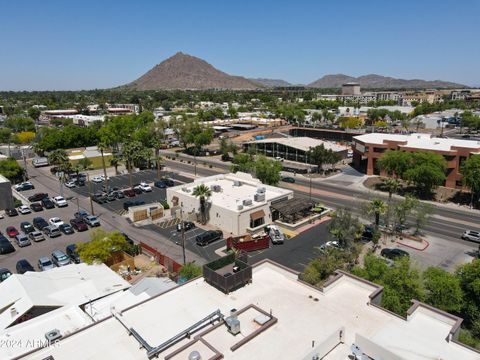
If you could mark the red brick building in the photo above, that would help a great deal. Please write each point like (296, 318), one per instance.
(368, 148)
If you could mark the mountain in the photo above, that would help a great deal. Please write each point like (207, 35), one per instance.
(381, 82)
(271, 83)
(183, 71)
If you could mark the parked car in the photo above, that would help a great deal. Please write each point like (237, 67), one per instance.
(47, 203)
(111, 197)
(98, 179)
(24, 209)
(23, 266)
(70, 184)
(55, 221)
(208, 237)
(39, 223)
(80, 182)
(160, 184)
(44, 264)
(4, 274)
(22, 240)
(471, 235)
(40, 161)
(168, 182)
(288, 179)
(393, 253)
(11, 212)
(60, 201)
(37, 197)
(26, 227)
(72, 253)
(36, 236)
(333, 244)
(82, 214)
(11, 231)
(118, 194)
(99, 198)
(24, 186)
(275, 234)
(59, 258)
(129, 193)
(51, 231)
(6, 246)
(127, 204)
(36, 206)
(67, 229)
(187, 225)
(136, 189)
(368, 232)
(145, 187)
(92, 220)
(78, 224)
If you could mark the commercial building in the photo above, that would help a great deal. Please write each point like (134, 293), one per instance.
(37, 306)
(239, 202)
(351, 88)
(275, 316)
(6, 198)
(368, 148)
(293, 148)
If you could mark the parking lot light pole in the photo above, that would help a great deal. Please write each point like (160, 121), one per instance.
(90, 193)
(183, 236)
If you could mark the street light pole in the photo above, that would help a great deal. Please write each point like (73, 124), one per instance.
(310, 182)
(183, 236)
(90, 193)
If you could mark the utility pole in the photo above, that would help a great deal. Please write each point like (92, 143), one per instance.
(183, 236)
(78, 205)
(90, 193)
(25, 173)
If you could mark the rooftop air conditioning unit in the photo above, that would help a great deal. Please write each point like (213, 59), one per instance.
(261, 190)
(239, 206)
(247, 202)
(237, 183)
(233, 324)
(53, 335)
(258, 197)
(216, 188)
(194, 355)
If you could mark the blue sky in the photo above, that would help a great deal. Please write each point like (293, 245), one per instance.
(97, 44)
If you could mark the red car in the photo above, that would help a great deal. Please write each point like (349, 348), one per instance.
(12, 231)
(79, 224)
(129, 193)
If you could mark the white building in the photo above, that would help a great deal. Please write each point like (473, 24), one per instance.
(275, 317)
(239, 202)
(64, 300)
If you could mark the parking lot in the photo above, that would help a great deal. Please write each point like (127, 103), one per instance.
(43, 248)
(123, 182)
(295, 253)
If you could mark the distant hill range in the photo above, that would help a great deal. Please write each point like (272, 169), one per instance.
(271, 83)
(183, 71)
(374, 81)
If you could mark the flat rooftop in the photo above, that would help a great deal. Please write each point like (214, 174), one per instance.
(303, 143)
(230, 195)
(303, 316)
(419, 141)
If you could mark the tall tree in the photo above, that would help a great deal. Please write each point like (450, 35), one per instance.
(318, 156)
(443, 290)
(471, 177)
(267, 170)
(202, 192)
(377, 207)
(395, 162)
(426, 171)
(345, 227)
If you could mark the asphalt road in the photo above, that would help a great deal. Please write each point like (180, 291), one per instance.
(447, 223)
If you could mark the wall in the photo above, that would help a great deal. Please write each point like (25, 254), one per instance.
(6, 198)
(326, 345)
(374, 350)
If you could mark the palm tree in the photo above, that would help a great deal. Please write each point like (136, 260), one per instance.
(102, 146)
(377, 207)
(115, 161)
(59, 158)
(203, 192)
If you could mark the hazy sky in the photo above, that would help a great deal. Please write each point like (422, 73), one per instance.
(97, 44)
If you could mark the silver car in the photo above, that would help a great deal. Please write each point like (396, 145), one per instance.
(59, 258)
(44, 263)
(52, 231)
(471, 235)
(275, 234)
(36, 236)
(92, 220)
(22, 240)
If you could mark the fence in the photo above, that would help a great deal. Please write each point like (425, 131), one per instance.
(170, 264)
